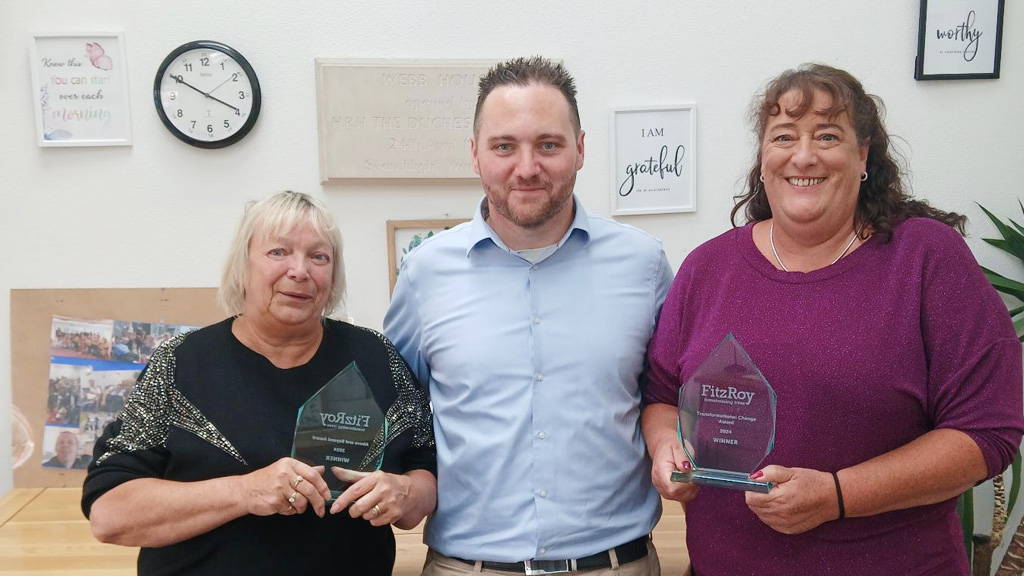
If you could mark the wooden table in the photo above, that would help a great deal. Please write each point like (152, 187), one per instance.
(43, 533)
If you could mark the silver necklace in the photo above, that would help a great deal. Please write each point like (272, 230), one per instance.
(771, 240)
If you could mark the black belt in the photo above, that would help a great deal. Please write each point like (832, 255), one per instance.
(626, 553)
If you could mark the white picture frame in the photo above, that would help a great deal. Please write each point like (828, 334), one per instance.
(654, 159)
(80, 89)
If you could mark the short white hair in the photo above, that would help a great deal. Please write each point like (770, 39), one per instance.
(278, 214)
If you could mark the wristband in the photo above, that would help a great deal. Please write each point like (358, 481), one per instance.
(839, 495)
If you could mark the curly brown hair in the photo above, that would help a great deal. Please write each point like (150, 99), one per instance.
(883, 201)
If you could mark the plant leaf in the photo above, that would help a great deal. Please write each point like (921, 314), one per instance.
(1018, 326)
(1018, 318)
(1004, 284)
(1014, 484)
(1017, 226)
(1014, 239)
(965, 507)
(1010, 291)
(998, 243)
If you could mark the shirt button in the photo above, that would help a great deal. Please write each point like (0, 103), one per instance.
(543, 550)
(535, 267)
(541, 435)
(540, 377)
(543, 493)
(536, 320)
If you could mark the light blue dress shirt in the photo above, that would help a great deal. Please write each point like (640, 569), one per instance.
(533, 372)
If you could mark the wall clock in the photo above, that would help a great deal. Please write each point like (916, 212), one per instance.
(207, 94)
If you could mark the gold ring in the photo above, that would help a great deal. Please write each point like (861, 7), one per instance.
(291, 499)
(376, 510)
(298, 480)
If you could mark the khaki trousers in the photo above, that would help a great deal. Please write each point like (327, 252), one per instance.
(441, 565)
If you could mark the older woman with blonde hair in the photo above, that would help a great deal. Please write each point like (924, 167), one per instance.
(196, 471)
(896, 366)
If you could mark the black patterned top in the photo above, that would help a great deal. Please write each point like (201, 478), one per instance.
(207, 406)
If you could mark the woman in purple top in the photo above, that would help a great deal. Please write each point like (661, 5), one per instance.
(896, 366)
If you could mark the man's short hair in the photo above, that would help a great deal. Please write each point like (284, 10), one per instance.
(525, 71)
(72, 434)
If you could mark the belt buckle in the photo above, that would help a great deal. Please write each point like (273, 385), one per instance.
(548, 567)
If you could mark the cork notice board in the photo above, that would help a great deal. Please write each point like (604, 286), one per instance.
(32, 313)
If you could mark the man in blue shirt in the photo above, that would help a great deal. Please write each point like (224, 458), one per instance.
(530, 325)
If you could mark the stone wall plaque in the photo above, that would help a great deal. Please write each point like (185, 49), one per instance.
(396, 118)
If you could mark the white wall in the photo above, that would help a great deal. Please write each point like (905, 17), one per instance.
(160, 213)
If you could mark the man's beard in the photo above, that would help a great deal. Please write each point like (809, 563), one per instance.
(533, 216)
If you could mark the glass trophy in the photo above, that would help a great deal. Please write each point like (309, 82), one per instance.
(341, 425)
(726, 420)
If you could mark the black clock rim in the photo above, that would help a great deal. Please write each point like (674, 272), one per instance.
(257, 96)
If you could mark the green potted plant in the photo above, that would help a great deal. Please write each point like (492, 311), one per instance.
(980, 547)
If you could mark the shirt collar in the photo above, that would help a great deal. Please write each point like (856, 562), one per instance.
(481, 231)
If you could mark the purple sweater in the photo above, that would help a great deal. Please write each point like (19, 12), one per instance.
(894, 340)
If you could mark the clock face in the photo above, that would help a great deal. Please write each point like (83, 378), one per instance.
(207, 94)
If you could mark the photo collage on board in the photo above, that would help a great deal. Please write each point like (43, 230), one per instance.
(93, 368)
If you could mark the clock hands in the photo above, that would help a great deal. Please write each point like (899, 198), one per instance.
(222, 102)
(218, 86)
(180, 80)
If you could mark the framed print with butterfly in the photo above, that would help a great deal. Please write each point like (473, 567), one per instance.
(80, 89)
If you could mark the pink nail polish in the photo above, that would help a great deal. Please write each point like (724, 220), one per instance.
(756, 475)
(686, 465)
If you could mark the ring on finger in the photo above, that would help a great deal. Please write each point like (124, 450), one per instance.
(291, 499)
(298, 480)
(376, 510)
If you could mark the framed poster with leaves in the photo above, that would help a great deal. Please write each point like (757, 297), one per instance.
(405, 235)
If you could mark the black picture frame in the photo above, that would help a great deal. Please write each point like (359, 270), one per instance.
(948, 35)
